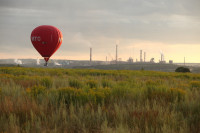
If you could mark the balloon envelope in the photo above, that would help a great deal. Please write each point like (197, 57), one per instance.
(46, 39)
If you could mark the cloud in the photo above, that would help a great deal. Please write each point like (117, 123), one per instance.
(86, 23)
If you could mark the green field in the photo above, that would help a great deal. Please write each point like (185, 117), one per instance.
(84, 100)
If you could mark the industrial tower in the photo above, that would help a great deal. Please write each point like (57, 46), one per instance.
(116, 54)
(140, 55)
(90, 54)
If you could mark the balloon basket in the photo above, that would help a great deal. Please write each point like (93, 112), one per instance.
(46, 64)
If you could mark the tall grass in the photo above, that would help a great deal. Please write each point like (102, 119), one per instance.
(74, 100)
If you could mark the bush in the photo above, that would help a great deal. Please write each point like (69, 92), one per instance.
(75, 83)
(177, 93)
(92, 84)
(195, 84)
(36, 90)
(106, 83)
(182, 69)
(73, 95)
(191, 111)
(47, 82)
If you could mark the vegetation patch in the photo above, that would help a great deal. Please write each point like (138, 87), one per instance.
(182, 69)
(75, 100)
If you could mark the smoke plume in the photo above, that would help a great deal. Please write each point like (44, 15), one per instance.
(18, 62)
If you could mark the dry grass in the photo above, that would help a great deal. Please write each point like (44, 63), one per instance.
(73, 100)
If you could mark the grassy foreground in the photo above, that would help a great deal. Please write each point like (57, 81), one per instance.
(73, 100)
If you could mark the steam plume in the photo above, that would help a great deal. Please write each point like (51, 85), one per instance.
(18, 62)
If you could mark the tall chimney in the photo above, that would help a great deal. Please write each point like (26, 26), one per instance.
(90, 54)
(144, 56)
(184, 61)
(116, 53)
(140, 55)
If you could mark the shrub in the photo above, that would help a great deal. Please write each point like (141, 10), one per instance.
(75, 83)
(157, 94)
(92, 84)
(46, 82)
(96, 96)
(161, 93)
(120, 92)
(106, 83)
(177, 93)
(36, 90)
(67, 94)
(182, 69)
(191, 112)
(195, 84)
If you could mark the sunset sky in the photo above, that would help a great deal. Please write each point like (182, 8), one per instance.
(154, 26)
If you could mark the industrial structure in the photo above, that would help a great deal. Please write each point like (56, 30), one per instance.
(90, 54)
(140, 55)
(144, 56)
(116, 53)
(184, 61)
(130, 60)
(162, 60)
(152, 60)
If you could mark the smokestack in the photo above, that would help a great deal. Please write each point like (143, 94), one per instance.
(90, 54)
(184, 61)
(116, 53)
(140, 55)
(144, 56)
(161, 57)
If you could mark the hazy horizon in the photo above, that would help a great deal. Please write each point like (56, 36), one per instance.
(154, 26)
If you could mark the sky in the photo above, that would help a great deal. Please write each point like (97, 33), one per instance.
(154, 26)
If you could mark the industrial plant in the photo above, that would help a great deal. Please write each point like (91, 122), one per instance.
(132, 63)
(90, 61)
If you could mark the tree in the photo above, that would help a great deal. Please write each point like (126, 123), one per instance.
(182, 69)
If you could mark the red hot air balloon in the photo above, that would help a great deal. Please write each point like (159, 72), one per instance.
(46, 39)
